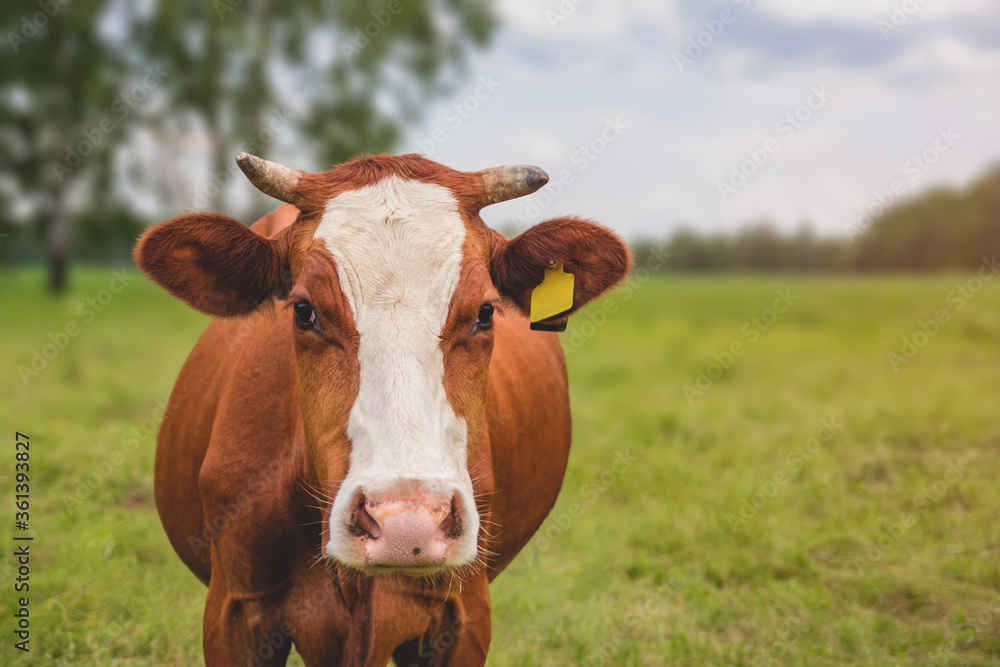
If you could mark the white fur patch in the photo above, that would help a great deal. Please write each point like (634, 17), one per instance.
(398, 248)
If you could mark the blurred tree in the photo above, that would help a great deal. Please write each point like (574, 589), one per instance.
(942, 229)
(760, 247)
(985, 198)
(6, 234)
(59, 76)
(938, 230)
(344, 74)
(72, 74)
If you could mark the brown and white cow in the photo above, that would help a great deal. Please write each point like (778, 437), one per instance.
(348, 471)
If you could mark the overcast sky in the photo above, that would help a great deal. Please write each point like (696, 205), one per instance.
(675, 121)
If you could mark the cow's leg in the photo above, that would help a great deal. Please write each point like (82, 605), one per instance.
(242, 632)
(409, 655)
(318, 618)
(456, 645)
(472, 640)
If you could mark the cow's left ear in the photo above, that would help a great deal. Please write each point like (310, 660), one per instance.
(596, 256)
(214, 263)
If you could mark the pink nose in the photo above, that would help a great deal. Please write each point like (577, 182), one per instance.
(406, 531)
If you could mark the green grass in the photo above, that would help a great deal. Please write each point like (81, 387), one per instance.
(869, 552)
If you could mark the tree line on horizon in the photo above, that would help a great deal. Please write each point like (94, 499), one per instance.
(943, 229)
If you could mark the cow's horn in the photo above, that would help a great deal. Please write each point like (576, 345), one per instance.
(271, 178)
(503, 183)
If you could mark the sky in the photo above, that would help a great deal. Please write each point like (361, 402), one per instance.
(649, 115)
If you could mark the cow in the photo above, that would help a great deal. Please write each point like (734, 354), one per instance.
(371, 428)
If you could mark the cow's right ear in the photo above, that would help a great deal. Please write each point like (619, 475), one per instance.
(596, 256)
(214, 263)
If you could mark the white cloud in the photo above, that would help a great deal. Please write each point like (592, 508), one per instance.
(583, 21)
(686, 130)
(867, 11)
(946, 55)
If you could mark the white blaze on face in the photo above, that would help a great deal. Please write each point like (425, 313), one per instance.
(398, 249)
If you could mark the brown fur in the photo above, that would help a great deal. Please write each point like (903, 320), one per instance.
(228, 269)
(593, 253)
(254, 445)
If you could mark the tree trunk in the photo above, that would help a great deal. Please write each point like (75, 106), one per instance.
(58, 241)
(58, 231)
(220, 163)
(219, 157)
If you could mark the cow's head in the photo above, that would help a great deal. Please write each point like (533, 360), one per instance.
(393, 286)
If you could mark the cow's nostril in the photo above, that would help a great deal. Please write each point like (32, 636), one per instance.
(451, 527)
(362, 523)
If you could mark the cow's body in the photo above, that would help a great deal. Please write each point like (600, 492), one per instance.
(349, 471)
(234, 427)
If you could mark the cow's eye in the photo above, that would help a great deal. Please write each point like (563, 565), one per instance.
(485, 317)
(305, 316)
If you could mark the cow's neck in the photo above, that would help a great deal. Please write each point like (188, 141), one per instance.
(429, 614)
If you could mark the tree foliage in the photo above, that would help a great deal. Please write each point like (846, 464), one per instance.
(59, 76)
(84, 82)
(345, 75)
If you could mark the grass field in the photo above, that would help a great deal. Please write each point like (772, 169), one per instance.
(806, 505)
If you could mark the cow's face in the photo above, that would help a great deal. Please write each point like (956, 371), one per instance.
(392, 288)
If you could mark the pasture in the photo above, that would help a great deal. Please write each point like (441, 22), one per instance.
(800, 503)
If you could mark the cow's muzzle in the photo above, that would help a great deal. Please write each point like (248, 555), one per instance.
(406, 531)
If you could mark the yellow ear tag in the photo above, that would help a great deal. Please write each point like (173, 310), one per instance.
(554, 296)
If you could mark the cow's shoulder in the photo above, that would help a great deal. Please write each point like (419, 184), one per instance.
(254, 481)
